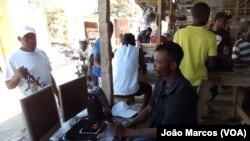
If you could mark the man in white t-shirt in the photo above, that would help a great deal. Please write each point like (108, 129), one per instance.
(126, 63)
(29, 67)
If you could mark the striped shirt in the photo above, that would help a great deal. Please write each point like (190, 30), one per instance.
(241, 50)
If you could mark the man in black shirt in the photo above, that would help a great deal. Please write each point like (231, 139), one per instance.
(174, 100)
(224, 43)
(224, 47)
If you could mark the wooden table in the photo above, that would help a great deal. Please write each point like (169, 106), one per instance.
(146, 47)
(237, 78)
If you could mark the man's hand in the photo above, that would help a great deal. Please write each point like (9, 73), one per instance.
(127, 123)
(116, 129)
(22, 72)
(123, 121)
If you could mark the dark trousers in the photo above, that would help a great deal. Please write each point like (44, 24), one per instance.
(145, 89)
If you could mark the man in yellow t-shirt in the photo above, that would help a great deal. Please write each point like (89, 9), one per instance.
(199, 46)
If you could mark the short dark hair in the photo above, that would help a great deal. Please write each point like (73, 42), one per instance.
(173, 49)
(201, 11)
(149, 29)
(129, 38)
(220, 15)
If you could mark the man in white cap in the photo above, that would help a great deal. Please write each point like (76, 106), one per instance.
(83, 50)
(29, 67)
(82, 54)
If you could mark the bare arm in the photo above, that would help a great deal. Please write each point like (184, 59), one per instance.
(211, 63)
(97, 60)
(120, 131)
(20, 73)
(90, 64)
(146, 132)
(141, 117)
(142, 63)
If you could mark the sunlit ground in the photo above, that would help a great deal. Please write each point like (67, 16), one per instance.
(9, 104)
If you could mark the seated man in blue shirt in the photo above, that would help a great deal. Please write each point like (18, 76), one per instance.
(174, 100)
(144, 36)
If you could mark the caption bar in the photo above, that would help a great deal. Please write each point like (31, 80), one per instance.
(222, 132)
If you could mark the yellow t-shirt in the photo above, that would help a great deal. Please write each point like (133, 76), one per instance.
(197, 43)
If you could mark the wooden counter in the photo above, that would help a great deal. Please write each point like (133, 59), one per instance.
(237, 78)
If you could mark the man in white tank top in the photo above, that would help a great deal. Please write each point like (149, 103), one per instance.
(126, 63)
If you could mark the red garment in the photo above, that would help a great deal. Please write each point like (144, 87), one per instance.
(163, 39)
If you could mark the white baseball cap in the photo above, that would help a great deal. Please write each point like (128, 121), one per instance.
(83, 39)
(121, 109)
(25, 30)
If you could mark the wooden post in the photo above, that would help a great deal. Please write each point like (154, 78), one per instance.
(105, 49)
(171, 22)
(159, 15)
(234, 102)
(235, 20)
(245, 10)
(221, 5)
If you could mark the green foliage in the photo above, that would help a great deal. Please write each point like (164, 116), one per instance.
(57, 26)
(121, 8)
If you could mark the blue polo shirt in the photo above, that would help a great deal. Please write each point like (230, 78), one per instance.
(96, 50)
(174, 105)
